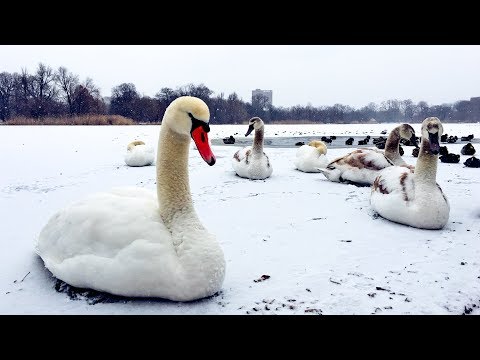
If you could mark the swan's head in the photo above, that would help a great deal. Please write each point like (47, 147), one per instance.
(432, 130)
(189, 116)
(407, 132)
(254, 123)
(319, 145)
(134, 143)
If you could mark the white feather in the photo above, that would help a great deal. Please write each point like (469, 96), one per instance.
(140, 155)
(309, 159)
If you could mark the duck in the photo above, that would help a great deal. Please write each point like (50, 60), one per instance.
(229, 140)
(312, 156)
(472, 162)
(467, 138)
(450, 158)
(468, 149)
(360, 167)
(139, 154)
(135, 242)
(414, 198)
(251, 162)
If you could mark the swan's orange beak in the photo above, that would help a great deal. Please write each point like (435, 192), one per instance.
(200, 136)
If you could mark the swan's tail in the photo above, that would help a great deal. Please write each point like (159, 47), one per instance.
(330, 174)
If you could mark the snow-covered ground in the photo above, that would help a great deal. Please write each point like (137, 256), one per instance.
(322, 246)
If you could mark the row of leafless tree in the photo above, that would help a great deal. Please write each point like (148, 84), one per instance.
(60, 93)
(47, 93)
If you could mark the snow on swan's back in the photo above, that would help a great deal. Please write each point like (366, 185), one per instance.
(139, 154)
(133, 242)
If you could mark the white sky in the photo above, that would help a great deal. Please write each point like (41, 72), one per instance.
(298, 74)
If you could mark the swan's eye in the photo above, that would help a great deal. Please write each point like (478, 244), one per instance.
(197, 123)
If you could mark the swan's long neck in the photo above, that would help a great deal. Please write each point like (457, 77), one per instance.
(321, 150)
(426, 166)
(258, 141)
(201, 264)
(392, 145)
(173, 186)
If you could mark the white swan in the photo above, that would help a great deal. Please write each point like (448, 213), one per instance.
(139, 154)
(133, 242)
(251, 162)
(362, 166)
(414, 198)
(309, 158)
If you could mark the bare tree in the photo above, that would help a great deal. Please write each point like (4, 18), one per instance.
(83, 102)
(67, 83)
(92, 88)
(24, 90)
(423, 110)
(39, 90)
(443, 111)
(338, 112)
(164, 97)
(368, 112)
(235, 110)
(218, 109)
(124, 100)
(7, 87)
(147, 109)
(391, 110)
(409, 109)
(44, 88)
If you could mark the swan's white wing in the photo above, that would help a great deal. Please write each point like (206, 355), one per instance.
(252, 167)
(309, 160)
(109, 241)
(397, 196)
(304, 149)
(360, 167)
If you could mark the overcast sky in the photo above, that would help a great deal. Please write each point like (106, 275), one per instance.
(298, 74)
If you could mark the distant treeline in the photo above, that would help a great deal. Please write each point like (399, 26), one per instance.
(60, 94)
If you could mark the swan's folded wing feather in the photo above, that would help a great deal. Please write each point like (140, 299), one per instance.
(241, 154)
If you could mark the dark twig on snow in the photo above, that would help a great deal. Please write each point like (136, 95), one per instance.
(25, 277)
(262, 278)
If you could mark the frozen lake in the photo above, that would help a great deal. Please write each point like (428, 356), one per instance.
(324, 248)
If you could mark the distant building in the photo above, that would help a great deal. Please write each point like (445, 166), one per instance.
(266, 94)
(475, 101)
